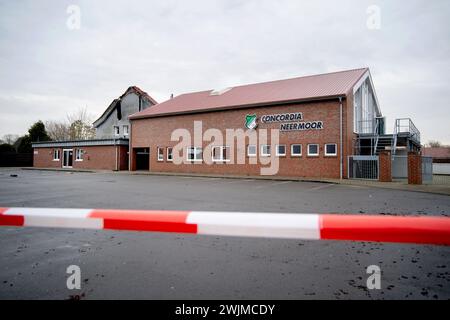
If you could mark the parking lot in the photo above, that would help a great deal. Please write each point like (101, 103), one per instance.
(126, 265)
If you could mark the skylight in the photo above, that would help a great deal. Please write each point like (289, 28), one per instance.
(218, 92)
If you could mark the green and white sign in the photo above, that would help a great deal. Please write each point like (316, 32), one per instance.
(250, 121)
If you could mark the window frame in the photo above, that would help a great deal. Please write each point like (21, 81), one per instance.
(313, 154)
(158, 154)
(222, 159)
(126, 132)
(79, 154)
(116, 132)
(58, 151)
(331, 154)
(171, 154)
(263, 154)
(296, 154)
(195, 154)
(252, 154)
(277, 151)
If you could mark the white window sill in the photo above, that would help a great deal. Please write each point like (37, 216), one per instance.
(79, 160)
(313, 155)
(296, 155)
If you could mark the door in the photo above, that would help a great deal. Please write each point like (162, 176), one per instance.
(142, 158)
(67, 158)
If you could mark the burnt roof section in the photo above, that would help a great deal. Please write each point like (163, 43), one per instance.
(113, 104)
(281, 91)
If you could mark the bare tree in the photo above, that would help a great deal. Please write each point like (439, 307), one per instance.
(76, 126)
(80, 125)
(10, 138)
(57, 130)
(434, 144)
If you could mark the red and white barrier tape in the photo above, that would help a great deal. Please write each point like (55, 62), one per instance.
(427, 230)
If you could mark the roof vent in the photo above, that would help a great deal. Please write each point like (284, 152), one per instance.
(218, 92)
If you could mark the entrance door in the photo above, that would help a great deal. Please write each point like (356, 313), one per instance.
(67, 158)
(142, 158)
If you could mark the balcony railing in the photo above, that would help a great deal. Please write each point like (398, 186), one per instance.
(405, 125)
(367, 126)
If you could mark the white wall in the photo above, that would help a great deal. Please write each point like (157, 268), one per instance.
(441, 168)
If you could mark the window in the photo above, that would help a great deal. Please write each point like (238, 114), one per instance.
(313, 150)
(221, 153)
(116, 130)
(79, 155)
(265, 150)
(125, 130)
(194, 154)
(56, 154)
(330, 149)
(169, 154)
(160, 154)
(281, 150)
(296, 150)
(251, 150)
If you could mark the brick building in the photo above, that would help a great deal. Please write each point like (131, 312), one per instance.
(321, 120)
(109, 149)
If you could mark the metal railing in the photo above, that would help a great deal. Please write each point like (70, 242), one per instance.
(367, 126)
(405, 125)
(363, 167)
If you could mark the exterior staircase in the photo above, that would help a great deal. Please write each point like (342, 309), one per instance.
(384, 142)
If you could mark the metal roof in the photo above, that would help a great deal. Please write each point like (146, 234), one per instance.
(289, 90)
(80, 143)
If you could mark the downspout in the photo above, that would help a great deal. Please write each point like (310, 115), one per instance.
(117, 166)
(341, 167)
(129, 145)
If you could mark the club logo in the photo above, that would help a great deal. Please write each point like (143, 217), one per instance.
(250, 121)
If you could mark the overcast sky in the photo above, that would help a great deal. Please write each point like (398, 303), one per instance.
(48, 69)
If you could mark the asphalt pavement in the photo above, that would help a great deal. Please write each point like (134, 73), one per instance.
(138, 265)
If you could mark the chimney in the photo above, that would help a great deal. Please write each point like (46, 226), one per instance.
(171, 96)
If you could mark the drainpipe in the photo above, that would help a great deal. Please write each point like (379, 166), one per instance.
(341, 166)
(117, 166)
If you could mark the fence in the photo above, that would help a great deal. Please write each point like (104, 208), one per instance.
(10, 159)
(363, 167)
(399, 167)
(427, 170)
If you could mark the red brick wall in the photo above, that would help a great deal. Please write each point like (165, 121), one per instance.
(43, 158)
(414, 168)
(154, 132)
(94, 157)
(385, 166)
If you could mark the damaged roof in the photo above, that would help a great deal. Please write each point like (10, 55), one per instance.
(113, 104)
